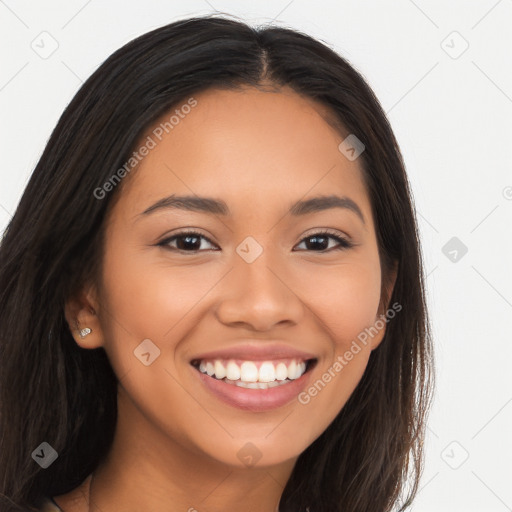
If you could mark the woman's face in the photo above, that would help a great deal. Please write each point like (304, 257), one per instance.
(257, 292)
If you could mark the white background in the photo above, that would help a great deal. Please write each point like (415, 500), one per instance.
(452, 116)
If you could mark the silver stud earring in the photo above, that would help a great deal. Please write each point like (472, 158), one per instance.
(84, 332)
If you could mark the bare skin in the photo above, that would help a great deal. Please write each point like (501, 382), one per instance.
(177, 445)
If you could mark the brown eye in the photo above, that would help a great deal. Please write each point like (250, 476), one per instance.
(187, 241)
(320, 241)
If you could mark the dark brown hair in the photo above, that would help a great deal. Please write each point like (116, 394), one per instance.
(52, 390)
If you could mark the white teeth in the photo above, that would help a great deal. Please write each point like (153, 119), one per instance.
(268, 374)
(281, 371)
(220, 371)
(295, 370)
(257, 385)
(292, 370)
(249, 372)
(210, 369)
(232, 371)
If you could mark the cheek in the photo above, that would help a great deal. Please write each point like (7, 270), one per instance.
(147, 296)
(345, 302)
(345, 298)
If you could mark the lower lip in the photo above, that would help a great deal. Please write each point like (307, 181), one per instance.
(254, 399)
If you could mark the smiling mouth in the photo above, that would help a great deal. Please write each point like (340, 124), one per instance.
(255, 374)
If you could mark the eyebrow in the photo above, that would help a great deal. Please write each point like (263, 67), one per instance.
(214, 206)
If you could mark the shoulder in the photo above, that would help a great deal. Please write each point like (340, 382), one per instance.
(74, 501)
(50, 506)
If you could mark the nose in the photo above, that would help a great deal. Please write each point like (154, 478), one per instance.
(259, 297)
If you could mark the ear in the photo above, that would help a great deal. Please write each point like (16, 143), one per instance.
(81, 313)
(382, 317)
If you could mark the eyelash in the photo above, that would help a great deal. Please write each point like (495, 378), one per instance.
(343, 243)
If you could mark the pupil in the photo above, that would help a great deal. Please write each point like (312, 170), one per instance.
(187, 241)
(316, 238)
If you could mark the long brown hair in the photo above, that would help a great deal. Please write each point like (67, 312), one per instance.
(52, 390)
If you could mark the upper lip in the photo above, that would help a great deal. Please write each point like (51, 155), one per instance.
(256, 351)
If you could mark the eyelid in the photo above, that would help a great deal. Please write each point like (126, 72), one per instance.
(330, 231)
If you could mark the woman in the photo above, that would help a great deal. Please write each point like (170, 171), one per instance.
(211, 292)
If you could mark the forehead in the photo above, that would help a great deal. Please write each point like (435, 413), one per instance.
(254, 149)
